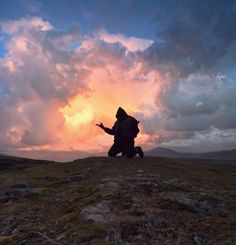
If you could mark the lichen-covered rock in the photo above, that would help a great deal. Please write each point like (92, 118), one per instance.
(99, 213)
(199, 204)
(19, 190)
(110, 185)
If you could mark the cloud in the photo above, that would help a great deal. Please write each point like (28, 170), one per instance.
(197, 37)
(208, 140)
(21, 25)
(187, 108)
(131, 43)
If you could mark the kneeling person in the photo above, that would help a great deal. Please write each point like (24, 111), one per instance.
(124, 130)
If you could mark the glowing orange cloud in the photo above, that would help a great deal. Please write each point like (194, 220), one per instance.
(100, 105)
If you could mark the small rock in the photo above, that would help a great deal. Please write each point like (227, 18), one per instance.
(110, 185)
(19, 190)
(23, 242)
(12, 194)
(197, 239)
(114, 237)
(99, 213)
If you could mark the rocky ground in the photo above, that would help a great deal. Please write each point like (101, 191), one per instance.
(118, 201)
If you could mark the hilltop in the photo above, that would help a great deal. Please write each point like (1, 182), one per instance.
(104, 200)
(12, 162)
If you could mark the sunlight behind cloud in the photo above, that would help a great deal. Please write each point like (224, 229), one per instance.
(100, 105)
(77, 113)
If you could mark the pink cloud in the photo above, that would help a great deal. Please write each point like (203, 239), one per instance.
(24, 24)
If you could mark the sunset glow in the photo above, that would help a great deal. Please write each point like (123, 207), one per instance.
(100, 104)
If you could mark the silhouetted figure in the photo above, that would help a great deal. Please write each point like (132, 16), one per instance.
(124, 130)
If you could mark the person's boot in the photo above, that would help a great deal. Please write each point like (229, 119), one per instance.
(139, 151)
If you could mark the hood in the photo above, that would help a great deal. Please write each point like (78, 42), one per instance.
(121, 114)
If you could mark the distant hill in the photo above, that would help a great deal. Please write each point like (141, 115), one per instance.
(162, 152)
(165, 152)
(10, 162)
(220, 154)
(48, 155)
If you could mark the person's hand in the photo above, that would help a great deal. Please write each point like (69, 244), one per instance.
(100, 125)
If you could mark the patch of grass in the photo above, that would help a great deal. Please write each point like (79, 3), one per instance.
(5, 239)
(88, 201)
(67, 218)
(44, 196)
(91, 227)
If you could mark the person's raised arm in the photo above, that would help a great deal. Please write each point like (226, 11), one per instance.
(110, 131)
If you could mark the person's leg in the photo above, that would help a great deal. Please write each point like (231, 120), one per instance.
(114, 150)
(130, 151)
(123, 153)
(128, 148)
(139, 151)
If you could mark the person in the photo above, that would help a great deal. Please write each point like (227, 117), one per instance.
(124, 130)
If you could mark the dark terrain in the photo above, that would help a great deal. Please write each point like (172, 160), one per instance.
(10, 162)
(104, 200)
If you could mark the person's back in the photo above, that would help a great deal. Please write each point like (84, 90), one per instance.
(130, 128)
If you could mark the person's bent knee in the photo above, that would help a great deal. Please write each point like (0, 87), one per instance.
(111, 154)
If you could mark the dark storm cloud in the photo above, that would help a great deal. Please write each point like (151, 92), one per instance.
(197, 37)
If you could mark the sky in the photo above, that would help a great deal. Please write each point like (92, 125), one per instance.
(66, 65)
